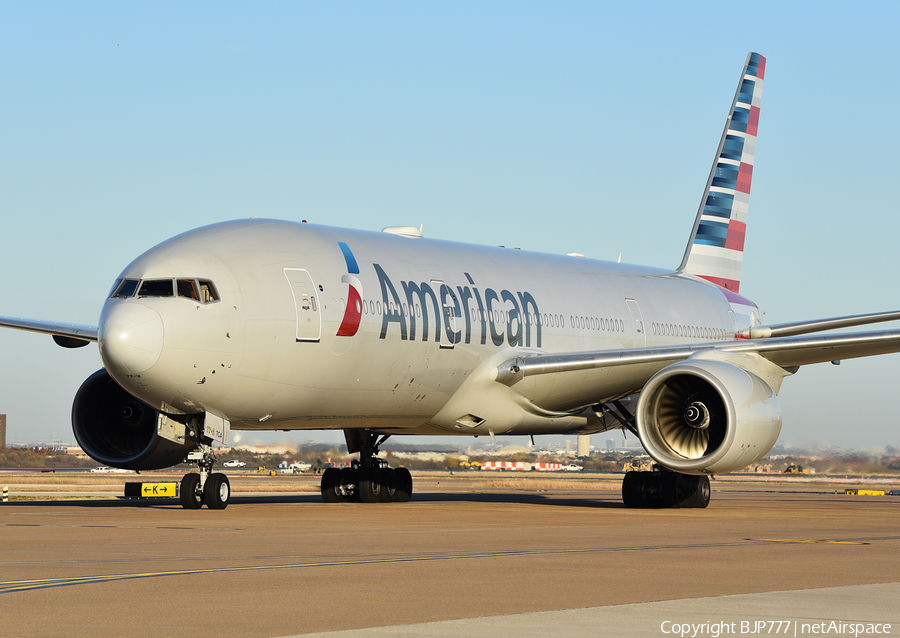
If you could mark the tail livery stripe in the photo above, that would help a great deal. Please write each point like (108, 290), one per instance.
(715, 250)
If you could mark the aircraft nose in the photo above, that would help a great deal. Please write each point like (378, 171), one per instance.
(131, 337)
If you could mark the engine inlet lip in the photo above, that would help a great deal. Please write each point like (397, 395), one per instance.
(651, 438)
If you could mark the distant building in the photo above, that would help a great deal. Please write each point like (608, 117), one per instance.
(2, 431)
(584, 445)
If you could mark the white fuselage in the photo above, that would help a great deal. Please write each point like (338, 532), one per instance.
(295, 339)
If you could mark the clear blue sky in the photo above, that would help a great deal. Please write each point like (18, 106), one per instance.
(557, 127)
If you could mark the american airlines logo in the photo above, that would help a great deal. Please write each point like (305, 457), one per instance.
(353, 311)
(459, 314)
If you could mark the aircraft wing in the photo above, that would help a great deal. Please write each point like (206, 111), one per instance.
(573, 380)
(68, 335)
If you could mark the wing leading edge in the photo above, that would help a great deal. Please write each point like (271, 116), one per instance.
(68, 335)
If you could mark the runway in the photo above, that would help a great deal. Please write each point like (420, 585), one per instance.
(456, 559)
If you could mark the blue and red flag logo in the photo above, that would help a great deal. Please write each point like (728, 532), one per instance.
(353, 311)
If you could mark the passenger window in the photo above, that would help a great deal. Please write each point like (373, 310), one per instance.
(156, 288)
(187, 288)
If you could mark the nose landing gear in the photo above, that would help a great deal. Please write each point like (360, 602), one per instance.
(207, 487)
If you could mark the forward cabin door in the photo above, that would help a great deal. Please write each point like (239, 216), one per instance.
(306, 303)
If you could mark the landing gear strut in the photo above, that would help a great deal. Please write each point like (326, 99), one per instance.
(207, 487)
(368, 480)
(664, 488)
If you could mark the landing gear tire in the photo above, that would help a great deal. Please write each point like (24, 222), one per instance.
(217, 491)
(331, 486)
(676, 489)
(701, 495)
(369, 485)
(631, 489)
(404, 485)
(191, 497)
(388, 479)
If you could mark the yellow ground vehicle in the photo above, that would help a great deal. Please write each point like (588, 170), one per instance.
(793, 468)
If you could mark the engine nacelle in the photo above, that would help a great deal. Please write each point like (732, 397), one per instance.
(707, 417)
(117, 429)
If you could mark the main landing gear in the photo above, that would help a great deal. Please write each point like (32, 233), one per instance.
(661, 487)
(664, 488)
(211, 488)
(368, 480)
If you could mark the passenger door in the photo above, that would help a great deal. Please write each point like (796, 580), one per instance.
(306, 304)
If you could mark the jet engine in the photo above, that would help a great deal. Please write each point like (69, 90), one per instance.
(707, 417)
(117, 429)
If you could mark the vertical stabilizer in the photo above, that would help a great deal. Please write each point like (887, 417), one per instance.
(716, 248)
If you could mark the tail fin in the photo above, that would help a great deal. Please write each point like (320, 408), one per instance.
(716, 248)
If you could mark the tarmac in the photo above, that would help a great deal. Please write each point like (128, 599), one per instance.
(456, 560)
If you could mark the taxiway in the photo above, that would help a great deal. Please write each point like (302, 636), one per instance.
(279, 563)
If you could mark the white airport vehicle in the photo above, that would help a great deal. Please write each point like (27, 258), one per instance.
(261, 324)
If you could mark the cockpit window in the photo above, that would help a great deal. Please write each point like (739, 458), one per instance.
(208, 291)
(187, 288)
(156, 288)
(199, 290)
(125, 288)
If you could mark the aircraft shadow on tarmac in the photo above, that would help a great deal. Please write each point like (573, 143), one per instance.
(613, 501)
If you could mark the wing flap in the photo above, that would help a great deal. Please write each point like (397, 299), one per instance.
(791, 352)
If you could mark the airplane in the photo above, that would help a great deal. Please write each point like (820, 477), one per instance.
(261, 324)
